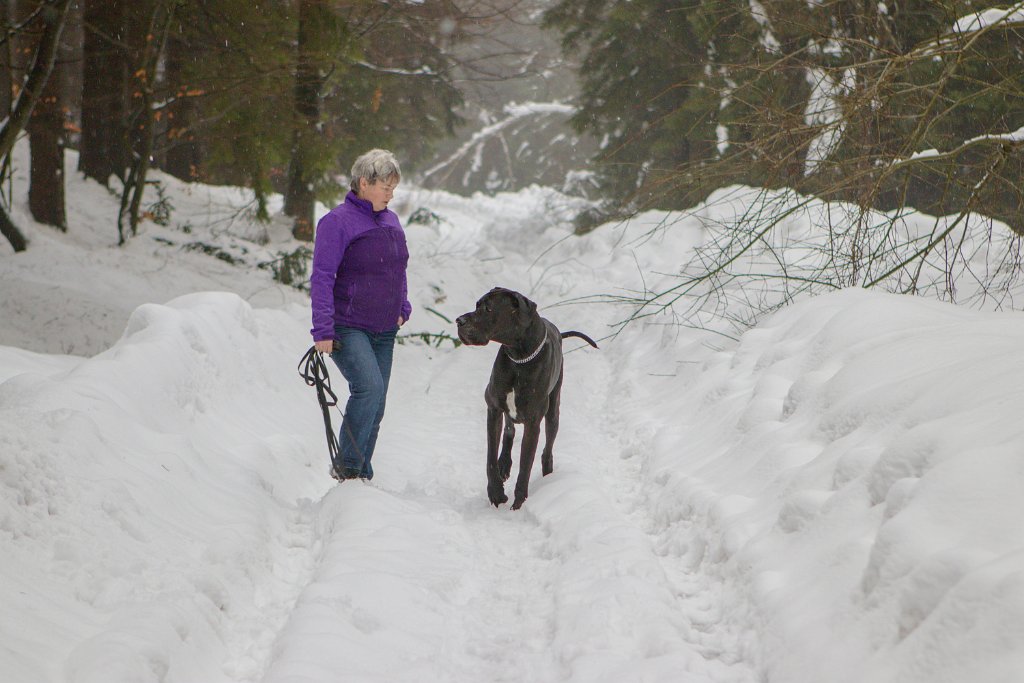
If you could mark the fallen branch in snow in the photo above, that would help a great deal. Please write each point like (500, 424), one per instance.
(515, 112)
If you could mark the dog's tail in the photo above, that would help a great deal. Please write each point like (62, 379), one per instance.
(574, 333)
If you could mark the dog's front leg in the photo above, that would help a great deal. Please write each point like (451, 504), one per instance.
(495, 487)
(505, 458)
(531, 435)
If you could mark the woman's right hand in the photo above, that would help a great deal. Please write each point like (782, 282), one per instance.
(324, 346)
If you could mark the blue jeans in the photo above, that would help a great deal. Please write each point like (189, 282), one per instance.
(364, 359)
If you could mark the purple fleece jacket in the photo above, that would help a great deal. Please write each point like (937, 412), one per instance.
(359, 262)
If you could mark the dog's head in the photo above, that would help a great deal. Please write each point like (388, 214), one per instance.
(501, 315)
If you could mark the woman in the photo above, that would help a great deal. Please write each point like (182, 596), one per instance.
(360, 297)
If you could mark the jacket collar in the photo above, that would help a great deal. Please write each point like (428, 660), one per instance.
(362, 204)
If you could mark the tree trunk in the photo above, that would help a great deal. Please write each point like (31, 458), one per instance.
(11, 232)
(299, 197)
(142, 120)
(184, 155)
(46, 141)
(7, 11)
(46, 186)
(53, 17)
(70, 61)
(104, 147)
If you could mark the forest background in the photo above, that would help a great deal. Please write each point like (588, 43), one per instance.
(893, 105)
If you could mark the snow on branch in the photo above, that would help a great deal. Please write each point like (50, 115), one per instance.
(988, 18)
(1014, 139)
(970, 26)
(422, 71)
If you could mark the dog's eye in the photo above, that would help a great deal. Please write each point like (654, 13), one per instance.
(487, 308)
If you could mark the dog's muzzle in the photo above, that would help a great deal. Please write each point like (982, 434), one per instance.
(468, 334)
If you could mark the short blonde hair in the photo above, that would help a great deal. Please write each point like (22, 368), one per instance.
(377, 164)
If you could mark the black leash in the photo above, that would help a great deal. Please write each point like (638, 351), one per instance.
(314, 371)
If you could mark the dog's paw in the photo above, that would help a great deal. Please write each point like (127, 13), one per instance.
(518, 503)
(497, 497)
(547, 461)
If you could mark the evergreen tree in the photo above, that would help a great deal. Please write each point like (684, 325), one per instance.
(640, 76)
(320, 32)
(111, 29)
(177, 149)
(833, 98)
(230, 94)
(384, 81)
(367, 75)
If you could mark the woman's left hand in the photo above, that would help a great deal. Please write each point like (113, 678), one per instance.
(401, 321)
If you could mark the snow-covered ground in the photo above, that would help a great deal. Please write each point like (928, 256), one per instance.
(834, 497)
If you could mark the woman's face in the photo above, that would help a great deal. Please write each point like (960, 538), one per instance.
(378, 193)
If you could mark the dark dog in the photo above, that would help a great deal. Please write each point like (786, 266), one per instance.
(525, 385)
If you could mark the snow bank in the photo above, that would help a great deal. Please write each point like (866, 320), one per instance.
(146, 497)
(855, 467)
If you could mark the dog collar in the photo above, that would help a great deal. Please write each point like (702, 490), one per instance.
(528, 358)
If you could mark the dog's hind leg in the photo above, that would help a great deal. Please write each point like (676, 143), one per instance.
(547, 458)
(505, 459)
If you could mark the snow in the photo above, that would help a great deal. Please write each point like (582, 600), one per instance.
(1016, 137)
(926, 154)
(834, 496)
(768, 40)
(824, 111)
(721, 139)
(979, 21)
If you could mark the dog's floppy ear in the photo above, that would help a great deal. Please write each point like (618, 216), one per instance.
(523, 305)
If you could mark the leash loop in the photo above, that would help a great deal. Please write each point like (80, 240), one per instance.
(313, 370)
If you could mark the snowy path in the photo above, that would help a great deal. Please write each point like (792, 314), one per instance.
(420, 579)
